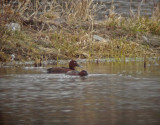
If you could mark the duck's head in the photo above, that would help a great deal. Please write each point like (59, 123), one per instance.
(83, 73)
(73, 64)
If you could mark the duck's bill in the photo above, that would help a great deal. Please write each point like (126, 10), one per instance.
(79, 65)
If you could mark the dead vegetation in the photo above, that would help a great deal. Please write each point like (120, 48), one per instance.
(57, 29)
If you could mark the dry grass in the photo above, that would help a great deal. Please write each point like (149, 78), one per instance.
(43, 37)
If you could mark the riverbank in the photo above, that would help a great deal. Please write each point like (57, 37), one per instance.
(75, 33)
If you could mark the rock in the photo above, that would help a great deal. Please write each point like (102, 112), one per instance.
(152, 40)
(14, 26)
(98, 38)
(145, 39)
(59, 21)
(54, 28)
(13, 57)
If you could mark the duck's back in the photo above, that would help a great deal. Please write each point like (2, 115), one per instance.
(73, 72)
(58, 70)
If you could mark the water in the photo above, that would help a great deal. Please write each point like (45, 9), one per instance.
(127, 7)
(112, 94)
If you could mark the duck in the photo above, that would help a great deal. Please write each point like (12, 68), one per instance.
(72, 65)
(77, 73)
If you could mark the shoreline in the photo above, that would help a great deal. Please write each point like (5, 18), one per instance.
(62, 62)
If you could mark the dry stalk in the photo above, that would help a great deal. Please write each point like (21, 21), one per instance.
(139, 8)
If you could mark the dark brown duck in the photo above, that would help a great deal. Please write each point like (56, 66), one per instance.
(72, 65)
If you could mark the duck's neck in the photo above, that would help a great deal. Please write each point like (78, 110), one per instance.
(72, 68)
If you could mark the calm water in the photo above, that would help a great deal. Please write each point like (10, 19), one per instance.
(128, 7)
(112, 94)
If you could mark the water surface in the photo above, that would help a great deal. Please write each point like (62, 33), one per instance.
(127, 7)
(112, 94)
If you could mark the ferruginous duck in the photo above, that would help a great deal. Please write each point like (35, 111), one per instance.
(72, 65)
(77, 73)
